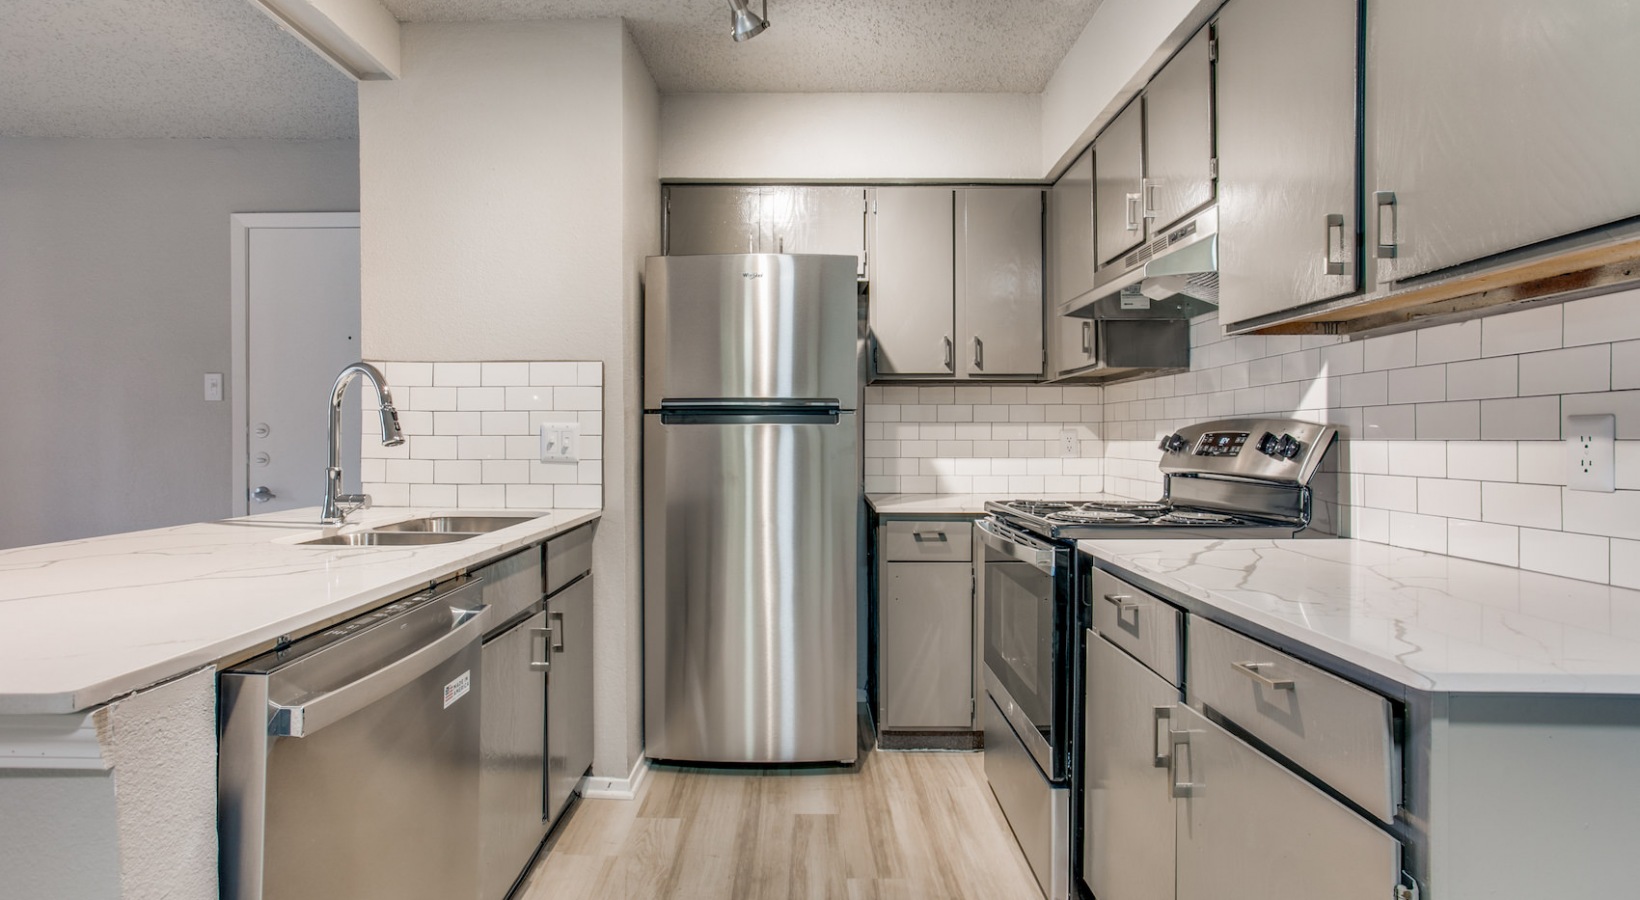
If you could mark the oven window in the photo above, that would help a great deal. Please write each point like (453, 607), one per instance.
(1019, 634)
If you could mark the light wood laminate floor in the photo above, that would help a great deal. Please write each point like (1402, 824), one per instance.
(901, 825)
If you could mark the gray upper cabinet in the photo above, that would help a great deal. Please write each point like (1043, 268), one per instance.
(1070, 232)
(1119, 174)
(913, 280)
(765, 219)
(999, 291)
(956, 281)
(1179, 136)
(1287, 147)
(1497, 123)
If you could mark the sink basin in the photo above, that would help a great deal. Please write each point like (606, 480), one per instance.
(388, 539)
(451, 525)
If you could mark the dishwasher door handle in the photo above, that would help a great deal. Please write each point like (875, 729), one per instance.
(304, 719)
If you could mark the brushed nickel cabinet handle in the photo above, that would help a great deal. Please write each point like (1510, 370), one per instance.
(1251, 670)
(1334, 266)
(950, 353)
(542, 663)
(1176, 740)
(979, 353)
(1160, 714)
(1385, 201)
(1132, 201)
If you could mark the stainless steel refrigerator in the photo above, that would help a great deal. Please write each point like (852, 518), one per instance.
(751, 491)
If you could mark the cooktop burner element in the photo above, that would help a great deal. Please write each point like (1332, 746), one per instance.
(1094, 516)
(1198, 517)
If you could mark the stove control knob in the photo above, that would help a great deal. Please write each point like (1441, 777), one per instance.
(1288, 447)
(1173, 443)
(1269, 445)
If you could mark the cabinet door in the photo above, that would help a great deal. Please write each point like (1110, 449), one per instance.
(1247, 827)
(512, 751)
(713, 219)
(1498, 123)
(1287, 154)
(913, 285)
(816, 220)
(569, 693)
(999, 286)
(1070, 233)
(926, 645)
(1118, 174)
(1072, 344)
(1127, 806)
(1179, 136)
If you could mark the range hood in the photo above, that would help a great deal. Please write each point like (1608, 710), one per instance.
(1174, 276)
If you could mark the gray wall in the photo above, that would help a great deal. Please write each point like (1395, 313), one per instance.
(114, 292)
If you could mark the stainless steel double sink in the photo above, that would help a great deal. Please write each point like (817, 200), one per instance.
(417, 532)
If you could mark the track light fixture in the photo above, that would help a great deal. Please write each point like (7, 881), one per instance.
(745, 23)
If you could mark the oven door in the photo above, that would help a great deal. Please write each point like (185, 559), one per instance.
(1023, 587)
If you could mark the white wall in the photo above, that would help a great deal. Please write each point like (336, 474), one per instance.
(850, 137)
(114, 289)
(508, 195)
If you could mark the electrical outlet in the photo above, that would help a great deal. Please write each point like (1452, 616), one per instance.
(1070, 446)
(560, 442)
(1590, 453)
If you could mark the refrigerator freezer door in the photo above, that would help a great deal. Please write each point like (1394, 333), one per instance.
(757, 326)
(750, 546)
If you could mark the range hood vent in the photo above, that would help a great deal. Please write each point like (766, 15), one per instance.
(1174, 276)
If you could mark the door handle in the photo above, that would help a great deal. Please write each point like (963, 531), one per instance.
(1087, 337)
(950, 353)
(1385, 200)
(557, 632)
(1132, 203)
(1334, 266)
(262, 494)
(1159, 715)
(543, 662)
(979, 353)
(1251, 670)
(1176, 740)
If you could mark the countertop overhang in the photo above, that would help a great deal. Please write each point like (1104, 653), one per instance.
(84, 622)
(1398, 618)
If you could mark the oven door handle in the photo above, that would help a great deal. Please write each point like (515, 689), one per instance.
(1038, 555)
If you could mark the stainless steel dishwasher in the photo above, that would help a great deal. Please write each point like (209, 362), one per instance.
(349, 758)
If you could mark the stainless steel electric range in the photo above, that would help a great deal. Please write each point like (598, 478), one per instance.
(1231, 478)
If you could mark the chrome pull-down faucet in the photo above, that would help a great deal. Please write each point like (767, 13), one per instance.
(338, 504)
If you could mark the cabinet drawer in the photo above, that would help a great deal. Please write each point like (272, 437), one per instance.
(1138, 623)
(510, 586)
(1337, 731)
(569, 556)
(920, 541)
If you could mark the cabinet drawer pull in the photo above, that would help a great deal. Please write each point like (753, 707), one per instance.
(1334, 266)
(923, 536)
(542, 663)
(1120, 601)
(1159, 715)
(1087, 338)
(1387, 248)
(1251, 670)
(979, 353)
(557, 631)
(1176, 740)
(950, 353)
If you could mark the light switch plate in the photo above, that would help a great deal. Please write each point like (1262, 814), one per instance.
(213, 387)
(560, 442)
(1590, 453)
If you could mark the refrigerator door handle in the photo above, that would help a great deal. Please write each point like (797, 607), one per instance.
(720, 416)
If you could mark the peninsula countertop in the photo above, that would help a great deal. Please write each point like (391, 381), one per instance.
(83, 622)
(1421, 620)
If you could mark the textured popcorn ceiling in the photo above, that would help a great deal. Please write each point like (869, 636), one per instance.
(821, 45)
(163, 69)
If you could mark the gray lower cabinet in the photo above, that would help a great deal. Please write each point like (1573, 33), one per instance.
(1127, 808)
(512, 723)
(926, 622)
(1494, 124)
(1249, 827)
(1288, 157)
(569, 693)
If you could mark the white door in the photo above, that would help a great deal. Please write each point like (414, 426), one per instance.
(300, 278)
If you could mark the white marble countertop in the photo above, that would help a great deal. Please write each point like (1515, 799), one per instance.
(958, 504)
(1429, 622)
(83, 622)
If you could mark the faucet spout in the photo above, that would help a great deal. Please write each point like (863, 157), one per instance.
(337, 504)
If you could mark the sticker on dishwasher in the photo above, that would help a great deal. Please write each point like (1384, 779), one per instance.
(457, 689)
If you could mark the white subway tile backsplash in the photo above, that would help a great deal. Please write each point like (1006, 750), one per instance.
(1448, 343)
(1450, 498)
(474, 442)
(1579, 556)
(1603, 319)
(1424, 459)
(1521, 332)
(1542, 462)
(1571, 371)
(1521, 419)
(408, 374)
(1528, 505)
(1456, 421)
(1418, 532)
(1613, 514)
(1482, 460)
(1422, 384)
(1395, 351)
(1389, 423)
(1484, 541)
(1482, 378)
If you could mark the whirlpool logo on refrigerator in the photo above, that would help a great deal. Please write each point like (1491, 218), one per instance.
(751, 274)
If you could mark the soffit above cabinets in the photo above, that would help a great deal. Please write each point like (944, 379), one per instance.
(1003, 46)
(164, 69)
